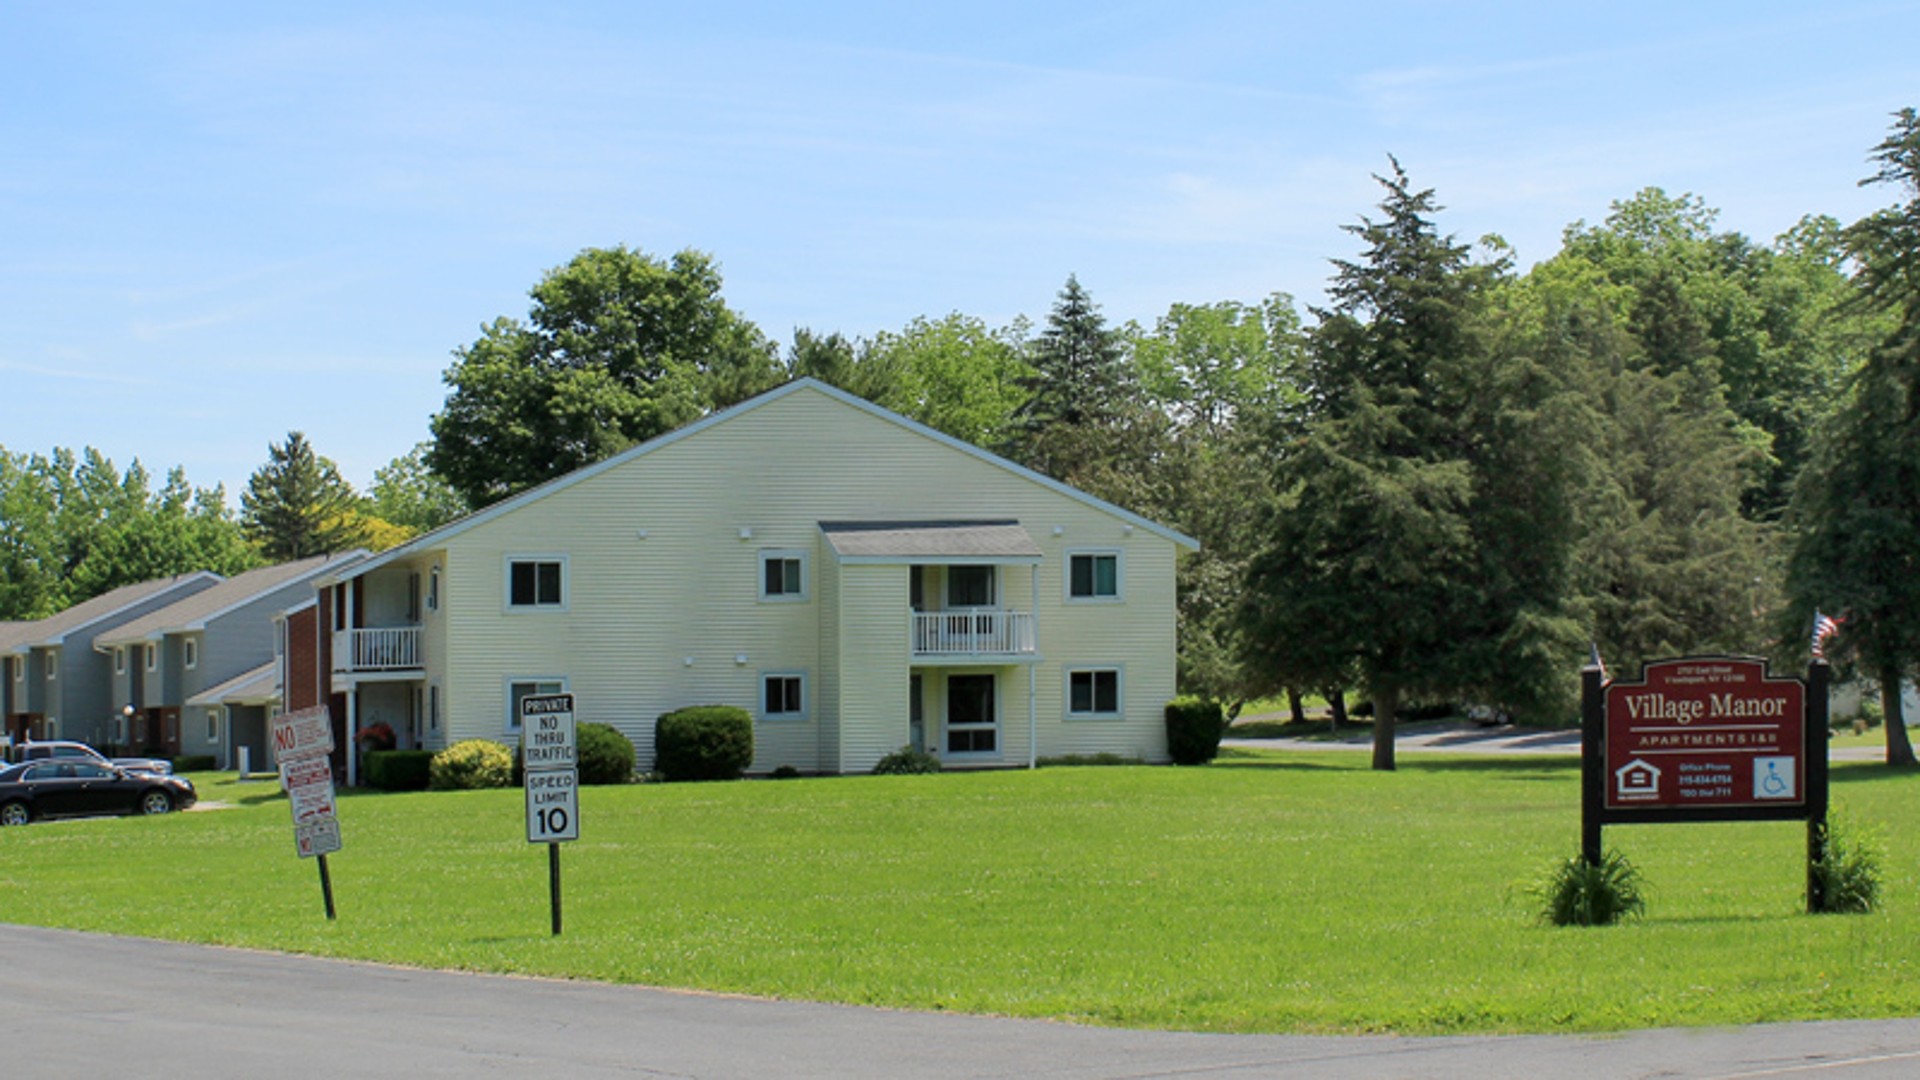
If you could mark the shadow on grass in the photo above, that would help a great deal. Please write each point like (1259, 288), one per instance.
(1241, 759)
(1868, 772)
(1544, 767)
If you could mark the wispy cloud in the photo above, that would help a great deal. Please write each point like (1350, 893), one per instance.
(76, 374)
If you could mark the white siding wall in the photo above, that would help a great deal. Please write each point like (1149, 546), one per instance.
(874, 670)
(829, 692)
(638, 607)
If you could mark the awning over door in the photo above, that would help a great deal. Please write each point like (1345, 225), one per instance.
(954, 542)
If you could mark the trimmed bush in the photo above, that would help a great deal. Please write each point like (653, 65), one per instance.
(1578, 893)
(606, 756)
(194, 763)
(1194, 727)
(703, 742)
(397, 770)
(471, 763)
(905, 762)
(784, 772)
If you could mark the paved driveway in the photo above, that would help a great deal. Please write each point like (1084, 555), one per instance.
(75, 1005)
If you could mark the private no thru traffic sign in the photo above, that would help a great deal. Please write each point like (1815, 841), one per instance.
(550, 770)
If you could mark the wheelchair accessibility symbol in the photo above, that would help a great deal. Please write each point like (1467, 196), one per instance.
(1773, 778)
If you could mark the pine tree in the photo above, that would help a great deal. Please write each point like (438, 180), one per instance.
(1080, 392)
(296, 505)
(1856, 510)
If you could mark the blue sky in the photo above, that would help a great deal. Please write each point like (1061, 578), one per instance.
(221, 222)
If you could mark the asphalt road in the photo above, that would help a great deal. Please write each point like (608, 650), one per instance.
(81, 1005)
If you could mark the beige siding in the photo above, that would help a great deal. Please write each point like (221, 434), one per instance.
(828, 693)
(873, 669)
(658, 574)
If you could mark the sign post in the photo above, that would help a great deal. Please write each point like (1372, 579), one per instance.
(302, 742)
(1704, 738)
(550, 767)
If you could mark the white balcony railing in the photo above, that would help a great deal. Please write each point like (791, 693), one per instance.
(973, 633)
(387, 648)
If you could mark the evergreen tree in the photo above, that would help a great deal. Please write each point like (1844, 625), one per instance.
(1081, 388)
(1398, 554)
(1856, 511)
(296, 505)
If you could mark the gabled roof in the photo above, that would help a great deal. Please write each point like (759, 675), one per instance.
(54, 629)
(196, 611)
(431, 540)
(247, 688)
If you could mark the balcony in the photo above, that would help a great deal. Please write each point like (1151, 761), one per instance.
(387, 648)
(970, 634)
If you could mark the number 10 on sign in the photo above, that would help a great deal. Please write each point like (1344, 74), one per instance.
(553, 806)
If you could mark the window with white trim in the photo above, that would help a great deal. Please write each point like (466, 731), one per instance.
(783, 575)
(153, 657)
(1093, 576)
(783, 695)
(120, 660)
(190, 653)
(1093, 693)
(524, 686)
(433, 709)
(213, 725)
(433, 589)
(53, 665)
(536, 583)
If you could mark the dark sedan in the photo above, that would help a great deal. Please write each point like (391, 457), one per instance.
(69, 788)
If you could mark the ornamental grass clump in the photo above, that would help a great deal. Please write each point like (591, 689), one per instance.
(1848, 873)
(1579, 893)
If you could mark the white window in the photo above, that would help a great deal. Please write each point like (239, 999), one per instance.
(972, 722)
(120, 661)
(53, 664)
(783, 695)
(120, 728)
(19, 666)
(520, 687)
(433, 708)
(213, 725)
(536, 582)
(1093, 576)
(190, 653)
(783, 575)
(153, 656)
(433, 589)
(1093, 693)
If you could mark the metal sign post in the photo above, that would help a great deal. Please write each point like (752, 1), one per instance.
(302, 741)
(1705, 738)
(550, 768)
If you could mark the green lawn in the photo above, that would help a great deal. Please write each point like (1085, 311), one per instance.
(1266, 892)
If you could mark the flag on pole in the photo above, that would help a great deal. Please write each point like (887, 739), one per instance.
(1824, 627)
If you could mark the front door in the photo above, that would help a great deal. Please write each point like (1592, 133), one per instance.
(973, 727)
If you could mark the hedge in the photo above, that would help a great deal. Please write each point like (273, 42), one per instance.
(397, 770)
(1194, 727)
(703, 742)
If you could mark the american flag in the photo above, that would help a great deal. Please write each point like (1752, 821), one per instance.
(1824, 627)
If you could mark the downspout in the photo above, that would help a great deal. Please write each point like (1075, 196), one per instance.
(1033, 713)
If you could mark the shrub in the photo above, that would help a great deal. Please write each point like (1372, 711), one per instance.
(471, 763)
(606, 756)
(1848, 873)
(1578, 893)
(1194, 727)
(703, 742)
(398, 770)
(784, 772)
(194, 763)
(905, 762)
(1102, 758)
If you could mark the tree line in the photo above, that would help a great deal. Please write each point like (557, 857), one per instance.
(1452, 482)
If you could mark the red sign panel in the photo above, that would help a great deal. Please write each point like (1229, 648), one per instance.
(1706, 732)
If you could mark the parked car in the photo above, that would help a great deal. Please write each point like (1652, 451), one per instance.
(69, 787)
(42, 751)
